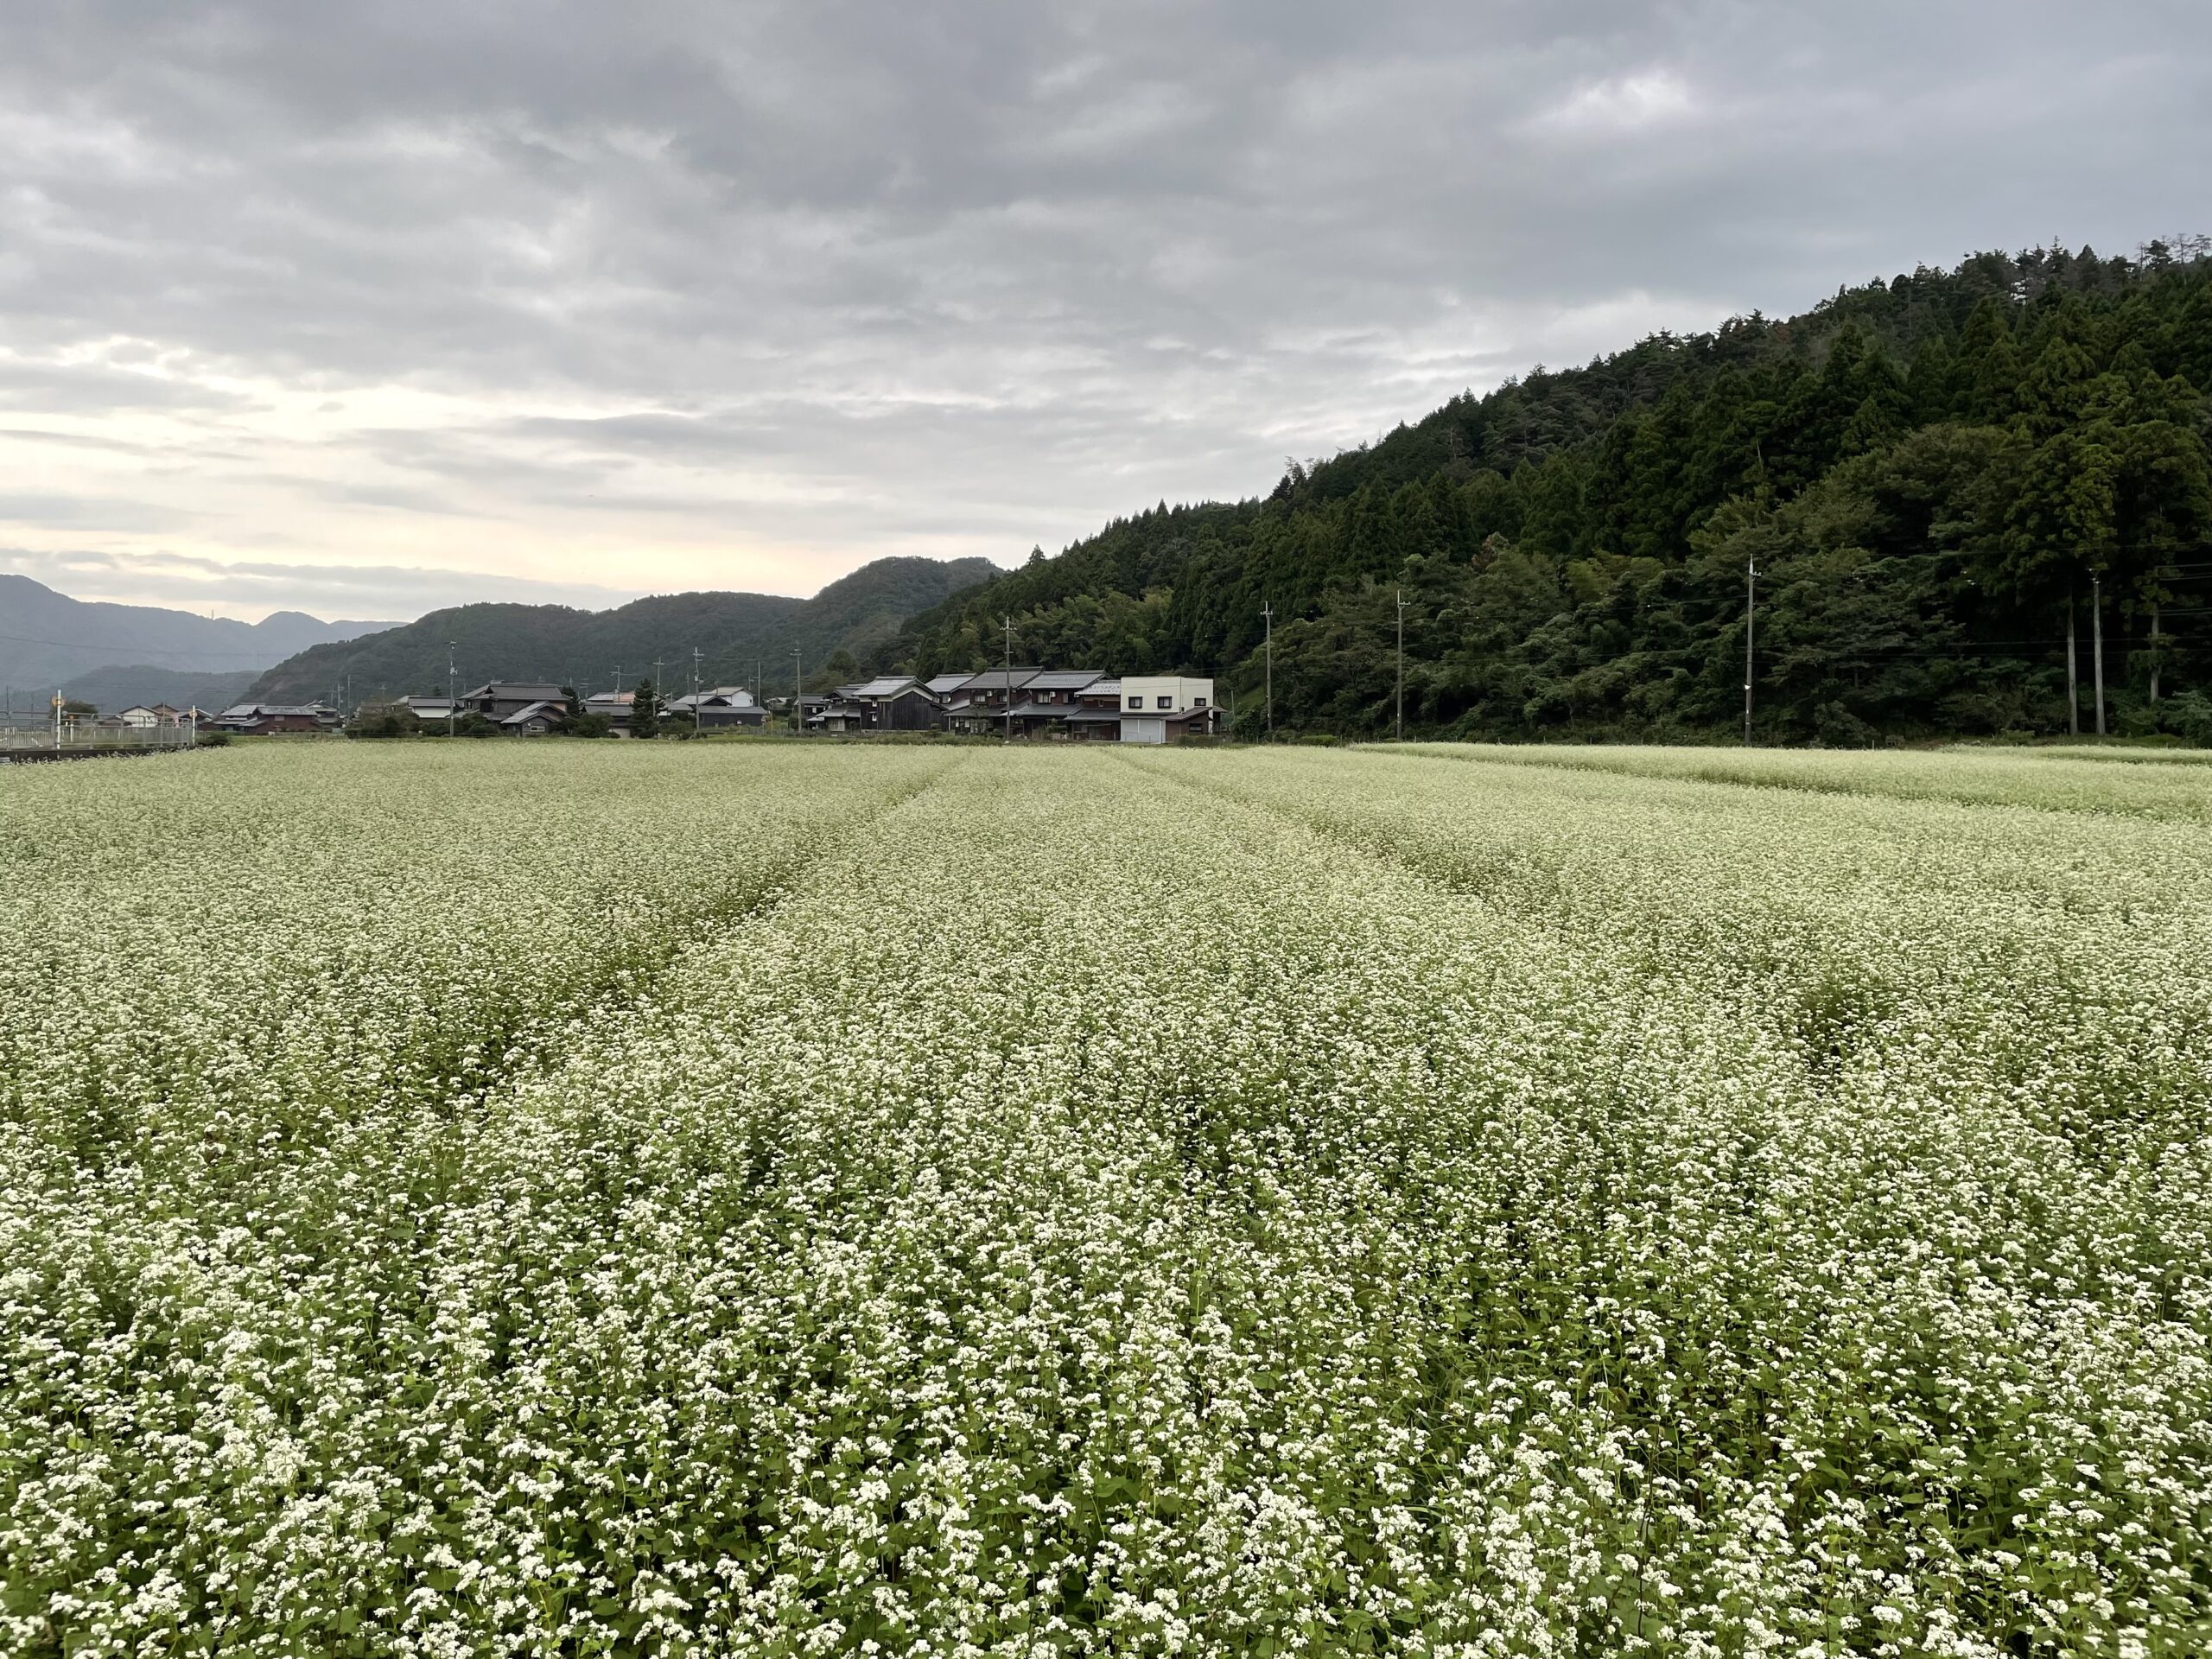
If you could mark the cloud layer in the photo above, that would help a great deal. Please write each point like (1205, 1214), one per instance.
(407, 296)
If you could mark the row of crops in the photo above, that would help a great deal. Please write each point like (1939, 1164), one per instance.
(775, 1202)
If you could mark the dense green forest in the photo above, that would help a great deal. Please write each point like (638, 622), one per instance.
(739, 635)
(1935, 477)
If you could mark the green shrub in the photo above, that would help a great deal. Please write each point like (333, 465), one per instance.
(382, 720)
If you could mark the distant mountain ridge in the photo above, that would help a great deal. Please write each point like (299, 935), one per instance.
(48, 639)
(738, 635)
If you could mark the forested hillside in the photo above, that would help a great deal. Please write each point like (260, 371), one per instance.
(1929, 473)
(846, 623)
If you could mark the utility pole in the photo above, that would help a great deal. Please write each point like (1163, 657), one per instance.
(1268, 645)
(798, 690)
(453, 689)
(1750, 607)
(2097, 637)
(1401, 665)
(2073, 672)
(695, 728)
(2154, 642)
(1009, 688)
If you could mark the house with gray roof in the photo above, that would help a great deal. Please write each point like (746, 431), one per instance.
(500, 698)
(980, 708)
(535, 719)
(728, 707)
(890, 703)
(1096, 716)
(615, 707)
(260, 719)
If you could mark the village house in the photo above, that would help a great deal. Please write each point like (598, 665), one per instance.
(1077, 704)
(893, 703)
(1044, 701)
(980, 706)
(726, 708)
(1164, 708)
(838, 714)
(501, 698)
(1096, 716)
(260, 719)
(615, 707)
(534, 719)
(1024, 701)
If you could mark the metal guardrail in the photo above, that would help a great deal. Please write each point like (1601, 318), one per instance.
(84, 736)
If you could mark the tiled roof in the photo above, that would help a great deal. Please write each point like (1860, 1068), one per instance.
(274, 710)
(998, 679)
(508, 690)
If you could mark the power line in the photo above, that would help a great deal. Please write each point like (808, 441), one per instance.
(143, 651)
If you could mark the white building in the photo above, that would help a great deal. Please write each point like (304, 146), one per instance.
(1161, 707)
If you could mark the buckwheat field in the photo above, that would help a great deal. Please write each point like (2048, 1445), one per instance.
(684, 1199)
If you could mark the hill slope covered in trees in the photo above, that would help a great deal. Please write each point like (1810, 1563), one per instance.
(844, 623)
(1929, 473)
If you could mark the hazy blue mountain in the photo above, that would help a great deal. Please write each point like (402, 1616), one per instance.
(48, 638)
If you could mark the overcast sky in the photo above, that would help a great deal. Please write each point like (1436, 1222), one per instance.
(368, 308)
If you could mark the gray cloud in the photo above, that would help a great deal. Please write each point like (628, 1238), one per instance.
(767, 290)
(254, 587)
(97, 512)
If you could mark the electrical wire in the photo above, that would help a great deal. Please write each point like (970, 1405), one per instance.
(143, 651)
